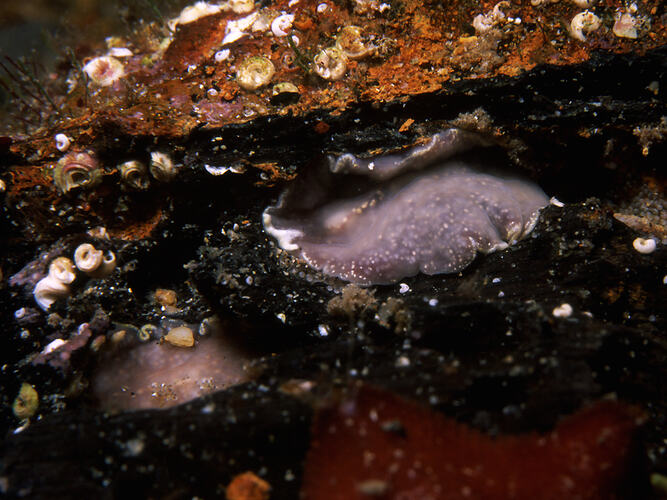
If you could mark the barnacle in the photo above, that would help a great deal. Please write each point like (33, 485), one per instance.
(379, 220)
(644, 245)
(284, 92)
(56, 284)
(330, 63)
(162, 166)
(241, 6)
(221, 55)
(133, 173)
(282, 24)
(94, 262)
(62, 142)
(353, 44)
(484, 22)
(624, 25)
(237, 29)
(193, 12)
(105, 70)
(562, 311)
(255, 72)
(584, 4)
(583, 23)
(629, 23)
(77, 170)
(26, 402)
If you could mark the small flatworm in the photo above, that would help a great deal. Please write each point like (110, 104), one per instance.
(430, 210)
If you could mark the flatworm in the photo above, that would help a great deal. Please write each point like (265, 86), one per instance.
(377, 220)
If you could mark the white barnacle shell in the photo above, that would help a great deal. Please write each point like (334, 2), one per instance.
(242, 6)
(626, 24)
(62, 142)
(426, 210)
(193, 12)
(237, 29)
(255, 72)
(221, 55)
(583, 23)
(120, 52)
(644, 245)
(162, 167)
(584, 4)
(484, 22)
(95, 263)
(105, 70)
(56, 284)
(281, 25)
(263, 21)
(87, 258)
(562, 311)
(330, 63)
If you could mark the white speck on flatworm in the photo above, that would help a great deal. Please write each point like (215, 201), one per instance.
(398, 215)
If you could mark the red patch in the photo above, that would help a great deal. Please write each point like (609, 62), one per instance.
(378, 445)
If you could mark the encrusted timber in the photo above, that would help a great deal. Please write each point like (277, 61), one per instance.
(532, 106)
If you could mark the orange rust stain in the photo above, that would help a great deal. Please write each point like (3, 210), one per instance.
(406, 125)
(638, 296)
(273, 173)
(321, 127)
(26, 178)
(613, 294)
(138, 229)
(195, 41)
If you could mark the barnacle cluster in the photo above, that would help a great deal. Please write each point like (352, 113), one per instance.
(192, 13)
(83, 170)
(95, 263)
(62, 273)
